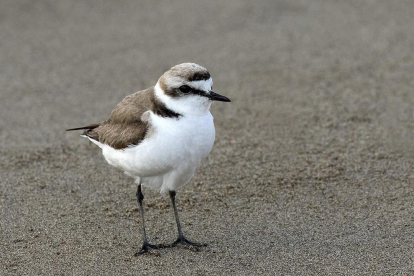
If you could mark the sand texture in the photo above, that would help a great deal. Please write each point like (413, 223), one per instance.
(312, 168)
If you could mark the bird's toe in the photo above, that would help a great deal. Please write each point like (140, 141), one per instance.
(194, 246)
(148, 248)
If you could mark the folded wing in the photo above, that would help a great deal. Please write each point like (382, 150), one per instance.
(125, 127)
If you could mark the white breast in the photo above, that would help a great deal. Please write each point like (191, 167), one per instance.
(168, 158)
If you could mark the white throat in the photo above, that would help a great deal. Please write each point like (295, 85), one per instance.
(187, 106)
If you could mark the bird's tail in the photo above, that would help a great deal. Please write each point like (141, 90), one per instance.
(89, 127)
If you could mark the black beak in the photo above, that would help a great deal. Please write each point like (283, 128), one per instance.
(217, 97)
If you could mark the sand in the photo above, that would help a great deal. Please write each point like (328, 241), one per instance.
(312, 169)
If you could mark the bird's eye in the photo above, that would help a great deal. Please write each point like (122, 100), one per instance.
(185, 88)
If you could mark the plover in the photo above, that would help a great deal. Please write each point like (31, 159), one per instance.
(160, 135)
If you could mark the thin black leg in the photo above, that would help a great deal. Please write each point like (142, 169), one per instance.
(181, 239)
(146, 246)
(140, 198)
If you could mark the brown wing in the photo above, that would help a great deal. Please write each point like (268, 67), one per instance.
(131, 108)
(119, 135)
(125, 127)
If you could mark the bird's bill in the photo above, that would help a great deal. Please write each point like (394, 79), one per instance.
(217, 97)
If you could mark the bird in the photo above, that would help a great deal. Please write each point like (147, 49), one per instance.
(159, 136)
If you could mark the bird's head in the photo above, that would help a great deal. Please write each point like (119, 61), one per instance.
(187, 89)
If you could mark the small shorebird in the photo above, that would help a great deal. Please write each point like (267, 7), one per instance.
(160, 135)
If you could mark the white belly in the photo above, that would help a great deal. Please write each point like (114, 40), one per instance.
(168, 158)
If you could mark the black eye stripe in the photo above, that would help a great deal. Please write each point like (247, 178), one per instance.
(190, 90)
(198, 92)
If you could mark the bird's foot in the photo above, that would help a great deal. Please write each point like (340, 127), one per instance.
(188, 244)
(148, 248)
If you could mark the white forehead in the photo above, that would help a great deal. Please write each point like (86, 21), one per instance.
(204, 85)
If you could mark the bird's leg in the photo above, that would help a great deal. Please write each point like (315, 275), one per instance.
(146, 246)
(181, 239)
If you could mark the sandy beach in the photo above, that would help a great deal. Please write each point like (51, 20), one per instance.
(312, 168)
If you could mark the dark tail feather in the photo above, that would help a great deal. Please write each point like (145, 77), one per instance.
(85, 127)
